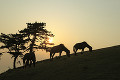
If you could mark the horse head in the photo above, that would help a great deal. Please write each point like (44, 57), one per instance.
(68, 53)
(65, 49)
(90, 48)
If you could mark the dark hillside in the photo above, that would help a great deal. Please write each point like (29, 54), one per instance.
(101, 64)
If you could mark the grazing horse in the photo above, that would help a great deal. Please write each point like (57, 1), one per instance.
(28, 59)
(59, 49)
(81, 46)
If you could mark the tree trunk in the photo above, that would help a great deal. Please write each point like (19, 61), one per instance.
(32, 43)
(14, 66)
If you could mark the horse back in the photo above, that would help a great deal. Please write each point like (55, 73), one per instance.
(78, 45)
(56, 49)
(29, 56)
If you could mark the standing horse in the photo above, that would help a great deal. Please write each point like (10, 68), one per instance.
(59, 49)
(28, 59)
(81, 46)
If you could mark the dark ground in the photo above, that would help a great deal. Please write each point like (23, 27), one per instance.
(101, 64)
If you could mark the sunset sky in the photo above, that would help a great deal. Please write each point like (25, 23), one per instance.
(71, 21)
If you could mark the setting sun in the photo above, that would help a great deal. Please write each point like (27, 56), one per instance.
(50, 40)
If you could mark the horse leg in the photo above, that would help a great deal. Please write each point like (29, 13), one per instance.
(30, 63)
(82, 51)
(76, 51)
(27, 63)
(23, 63)
(53, 55)
(34, 63)
(50, 56)
(60, 55)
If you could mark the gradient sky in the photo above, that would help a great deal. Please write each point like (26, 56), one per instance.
(94, 21)
(72, 21)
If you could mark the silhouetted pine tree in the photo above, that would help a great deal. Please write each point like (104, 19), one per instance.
(34, 36)
(37, 36)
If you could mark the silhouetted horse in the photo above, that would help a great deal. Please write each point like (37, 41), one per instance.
(28, 59)
(59, 49)
(81, 46)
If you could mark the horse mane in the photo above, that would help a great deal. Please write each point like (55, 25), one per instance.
(61, 44)
(64, 48)
(85, 43)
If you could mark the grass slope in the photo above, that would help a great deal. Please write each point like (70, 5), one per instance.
(101, 64)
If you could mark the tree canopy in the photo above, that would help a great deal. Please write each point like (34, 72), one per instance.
(35, 36)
